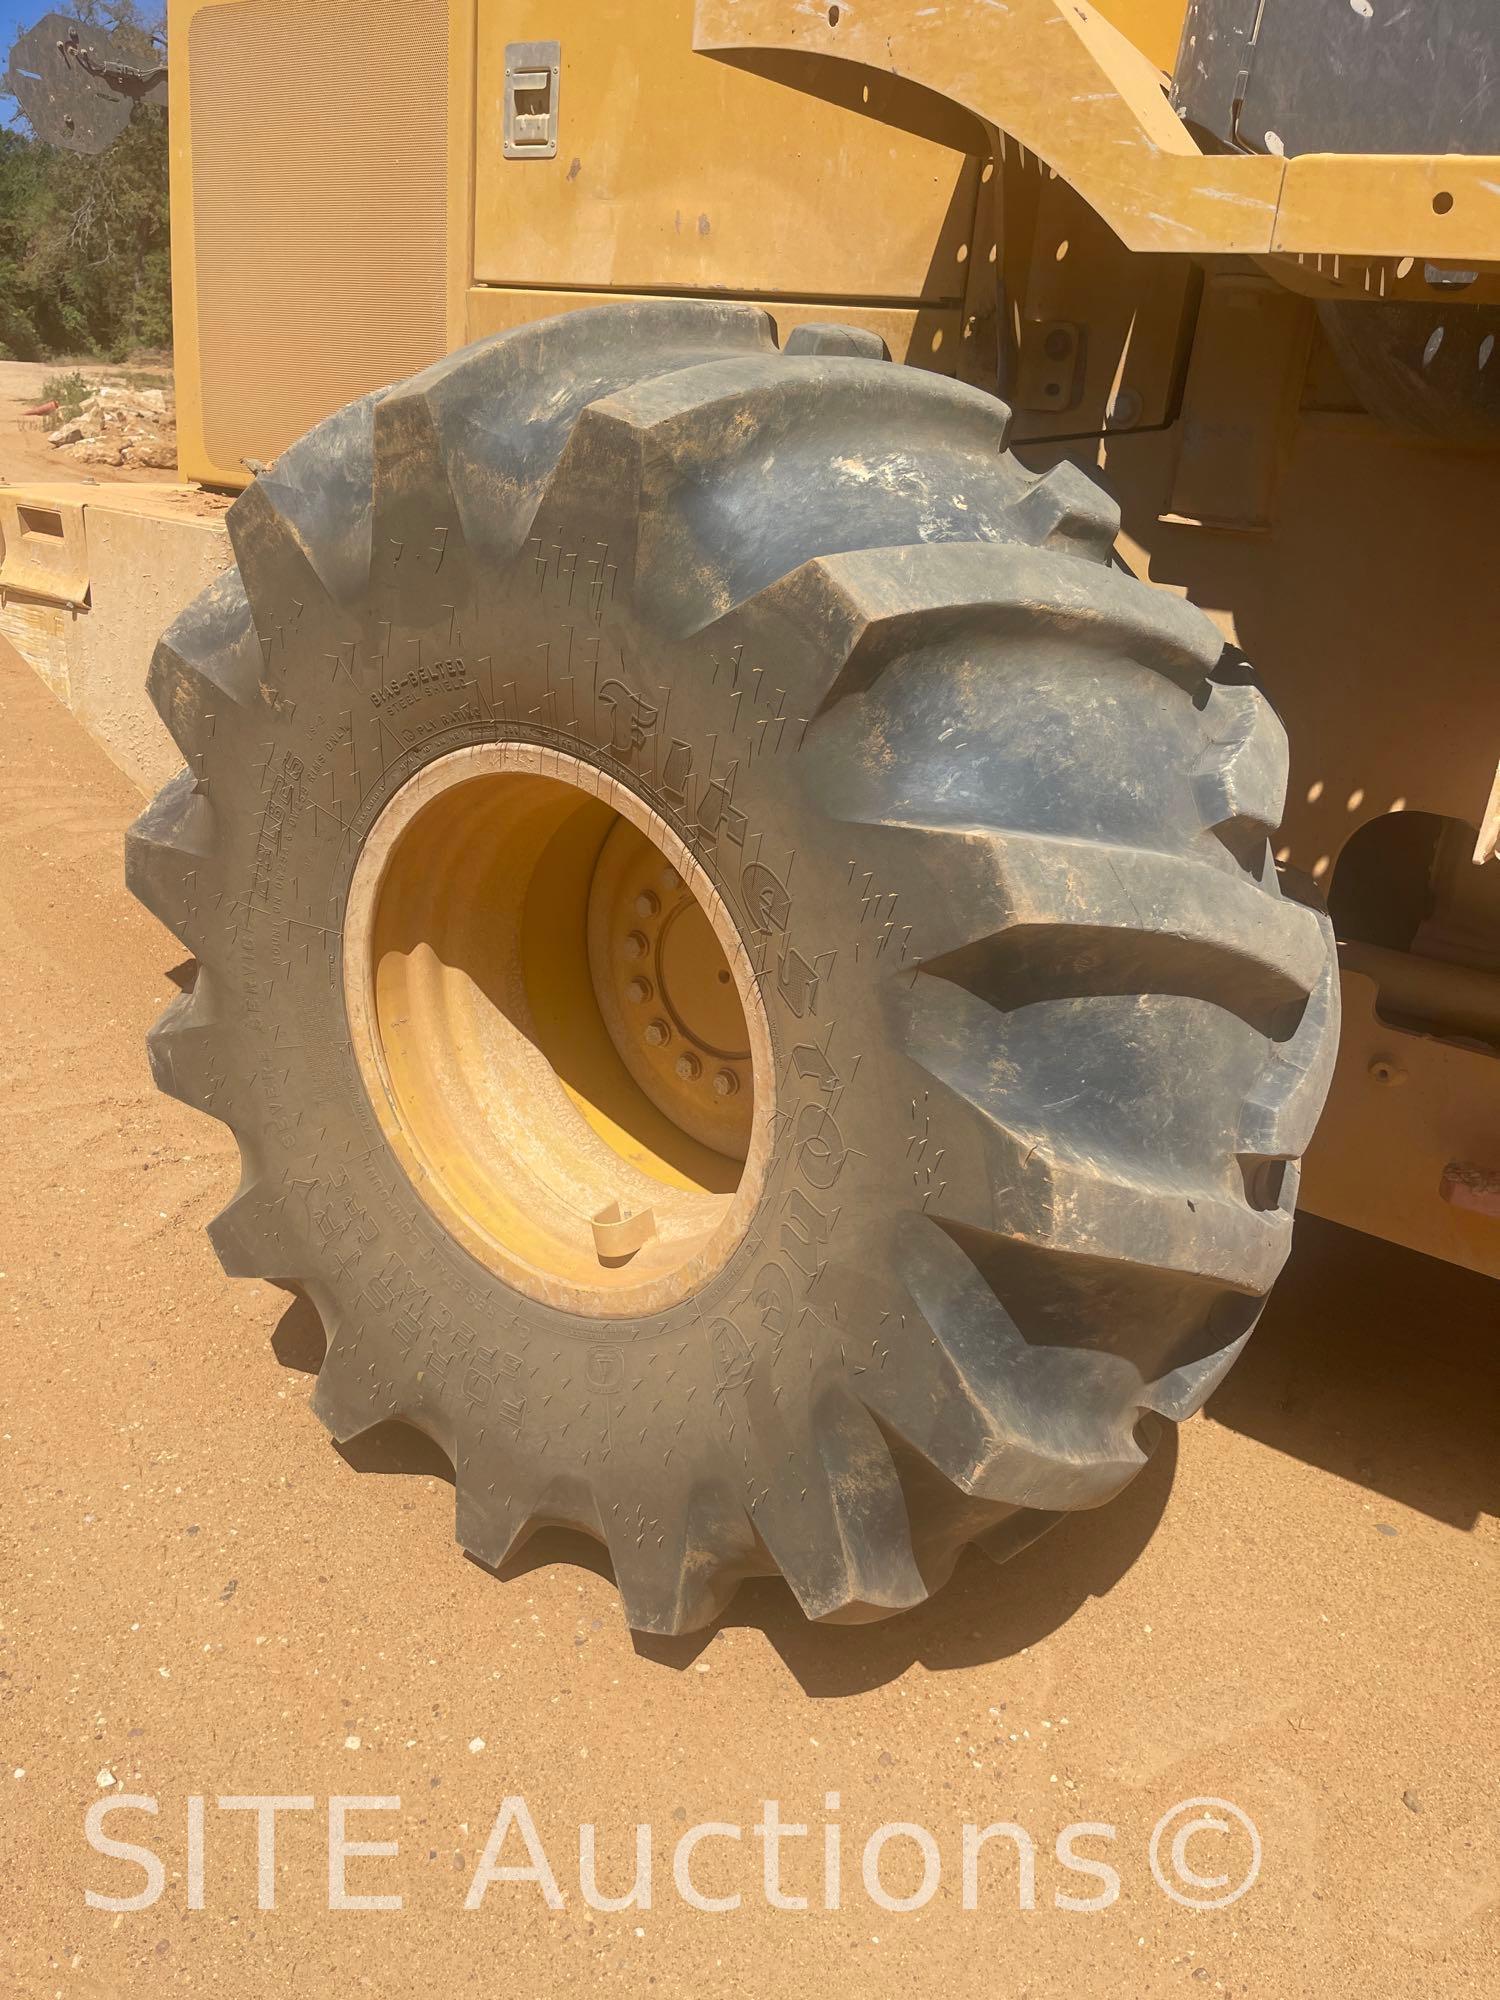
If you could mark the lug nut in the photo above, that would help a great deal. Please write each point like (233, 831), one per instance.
(670, 879)
(726, 1083)
(688, 1067)
(647, 903)
(658, 1034)
(637, 990)
(636, 945)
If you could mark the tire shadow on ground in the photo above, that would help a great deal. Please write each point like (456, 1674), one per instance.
(1370, 1362)
(1380, 1366)
(985, 1612)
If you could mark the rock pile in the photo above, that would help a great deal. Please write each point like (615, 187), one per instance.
(119, 426)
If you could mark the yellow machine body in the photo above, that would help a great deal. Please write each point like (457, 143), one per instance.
(361, 186)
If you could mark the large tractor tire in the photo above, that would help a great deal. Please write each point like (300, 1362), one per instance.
(741, 954)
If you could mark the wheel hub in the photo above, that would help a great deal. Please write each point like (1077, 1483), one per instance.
(667, 994)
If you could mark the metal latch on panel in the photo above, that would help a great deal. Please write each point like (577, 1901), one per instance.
(531, 78)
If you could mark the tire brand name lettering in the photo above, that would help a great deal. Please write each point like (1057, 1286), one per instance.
(419, 682)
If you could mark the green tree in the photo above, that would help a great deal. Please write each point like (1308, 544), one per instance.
(85, 263)
(18, 183)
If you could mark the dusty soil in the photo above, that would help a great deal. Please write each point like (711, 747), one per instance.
(1295, 1611)
(24, 451)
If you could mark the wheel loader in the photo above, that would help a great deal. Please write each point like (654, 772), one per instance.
(846, 628)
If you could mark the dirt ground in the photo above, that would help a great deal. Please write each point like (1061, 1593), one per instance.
(24, 451)
(1294, 1611)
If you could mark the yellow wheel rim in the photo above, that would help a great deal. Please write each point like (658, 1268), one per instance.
(559, 1029)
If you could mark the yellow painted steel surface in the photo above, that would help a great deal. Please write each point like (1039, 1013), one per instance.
(320, 210)
(1062, 81)
(1368, 608)
(1390, 205)
(1081, 95)
(680, 175)
(1402, 1107)
(1155, 26)
(316, 256)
